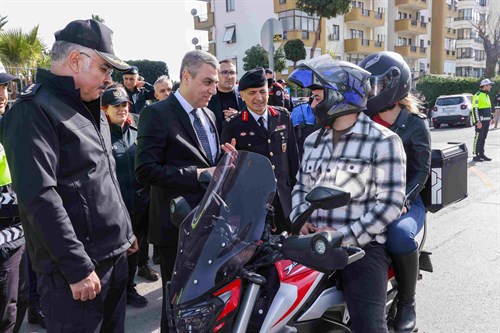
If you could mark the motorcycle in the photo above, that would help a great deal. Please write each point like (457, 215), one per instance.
(232, 275)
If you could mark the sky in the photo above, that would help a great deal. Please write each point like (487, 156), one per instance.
(143, 29)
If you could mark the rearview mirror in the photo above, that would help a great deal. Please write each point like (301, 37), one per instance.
(325, 197)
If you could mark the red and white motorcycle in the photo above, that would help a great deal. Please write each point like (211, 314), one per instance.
(231, 275)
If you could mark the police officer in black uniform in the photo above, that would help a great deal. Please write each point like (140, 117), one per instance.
(276, 91)
(268, 131)
(139, 92)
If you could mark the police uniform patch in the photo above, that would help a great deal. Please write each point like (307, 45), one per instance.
(29, 91)
(278, 93)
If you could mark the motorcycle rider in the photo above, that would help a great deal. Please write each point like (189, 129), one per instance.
(367, 160)
(392, 105)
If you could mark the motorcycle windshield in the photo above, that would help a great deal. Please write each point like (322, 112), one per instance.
(220, 235)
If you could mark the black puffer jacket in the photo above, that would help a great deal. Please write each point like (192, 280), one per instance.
(63, 171)
(413, 130)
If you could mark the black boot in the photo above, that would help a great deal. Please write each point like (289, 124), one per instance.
(406, 271)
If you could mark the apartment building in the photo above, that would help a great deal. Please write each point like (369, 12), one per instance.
(434, 36)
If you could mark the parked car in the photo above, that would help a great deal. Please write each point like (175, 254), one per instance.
(452, 110)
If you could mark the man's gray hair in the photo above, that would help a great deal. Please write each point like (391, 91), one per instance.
(193, 60)
(61, 50)
(163, 78)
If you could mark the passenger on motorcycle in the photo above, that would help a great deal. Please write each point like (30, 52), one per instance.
(391, 104)
(367, 160)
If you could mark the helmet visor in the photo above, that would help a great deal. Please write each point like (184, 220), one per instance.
(384, 82)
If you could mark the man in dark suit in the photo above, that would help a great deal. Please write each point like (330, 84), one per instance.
(227, 101)
(268, 131)
(177, 140)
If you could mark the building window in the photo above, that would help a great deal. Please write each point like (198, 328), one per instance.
(229, 5)
(298, 20)
(282, 2)
(230, 34)
(336, 33)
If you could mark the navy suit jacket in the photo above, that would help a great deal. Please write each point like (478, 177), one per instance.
(167, 158)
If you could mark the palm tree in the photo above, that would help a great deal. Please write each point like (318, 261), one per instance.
(3, 21)
(22, 50)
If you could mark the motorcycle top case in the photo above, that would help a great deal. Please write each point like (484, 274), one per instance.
(447, 182)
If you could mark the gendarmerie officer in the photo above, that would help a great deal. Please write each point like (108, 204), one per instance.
(268, 131)
(139, 92)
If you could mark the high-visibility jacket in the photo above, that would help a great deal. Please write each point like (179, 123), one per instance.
(481, 107)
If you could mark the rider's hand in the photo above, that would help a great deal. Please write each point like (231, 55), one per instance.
(228, 147)
(87, 288)
(325, 229)
(307, 228)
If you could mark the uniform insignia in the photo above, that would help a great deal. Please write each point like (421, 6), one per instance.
(273, 111)
(280, 128)
(278, 93)
(244, 116)
(251, 133)
(243, 134)
(29, 91)
(283, 147)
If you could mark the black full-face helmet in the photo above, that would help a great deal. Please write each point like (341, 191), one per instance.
(390, 80)
(346, 86)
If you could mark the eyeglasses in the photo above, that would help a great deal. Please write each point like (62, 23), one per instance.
(228, 73)
(104, 68)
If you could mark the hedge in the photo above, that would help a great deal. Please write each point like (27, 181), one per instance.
(434, 86)
(149, 69)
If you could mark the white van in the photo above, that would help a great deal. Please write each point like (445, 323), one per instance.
(452, 110)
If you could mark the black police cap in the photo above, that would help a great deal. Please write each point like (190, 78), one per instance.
(254, 78)
(114, 97)
(94, 35)
(133, 70)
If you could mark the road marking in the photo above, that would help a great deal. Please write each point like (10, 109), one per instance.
(484, 178)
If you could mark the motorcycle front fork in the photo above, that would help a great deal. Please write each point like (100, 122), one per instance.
(246, 308)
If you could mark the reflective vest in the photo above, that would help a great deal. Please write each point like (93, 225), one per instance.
(4, 168)
(481, 107)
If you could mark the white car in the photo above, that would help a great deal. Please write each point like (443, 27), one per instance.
(452, 110)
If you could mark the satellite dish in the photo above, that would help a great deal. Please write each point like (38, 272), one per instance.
(195, 41)
(271, 34)
(194, 12)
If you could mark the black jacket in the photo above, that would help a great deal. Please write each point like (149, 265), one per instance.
(168, 156)
(139, 97)
(278, 145)
(63, 172)
(413, 129)
(135, 195)
(216, 107)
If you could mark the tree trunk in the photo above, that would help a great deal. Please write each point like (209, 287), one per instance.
(294, 64)
(316, 38)
(491, 53)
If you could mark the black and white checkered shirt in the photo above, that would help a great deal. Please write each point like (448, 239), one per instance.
(369, 162)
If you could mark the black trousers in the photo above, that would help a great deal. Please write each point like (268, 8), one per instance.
(106, 313)
(365, 290)
(140, 225)
(13, 303)
(167, 262)
(480, 138)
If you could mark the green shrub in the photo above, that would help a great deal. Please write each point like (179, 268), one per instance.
(434, 86)
(148, 69)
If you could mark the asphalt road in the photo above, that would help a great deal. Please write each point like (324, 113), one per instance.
(463, 293)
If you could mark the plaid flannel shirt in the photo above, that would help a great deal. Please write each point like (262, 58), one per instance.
(369, 162)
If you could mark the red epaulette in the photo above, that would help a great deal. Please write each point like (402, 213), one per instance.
(244, 115)
(272, 111)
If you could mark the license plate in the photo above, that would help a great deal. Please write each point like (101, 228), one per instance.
(448, 110)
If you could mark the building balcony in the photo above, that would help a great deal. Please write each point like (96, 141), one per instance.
(365, 17)
(281, 6)
(204, 22)
(451, 10)
(450, 55)
(362, 46)
(305, 36)
(413, 4)
(450, 33)
(409, 26)
(411, 51)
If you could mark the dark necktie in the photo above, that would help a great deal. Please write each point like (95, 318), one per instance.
(262, 126)
(202, 135)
